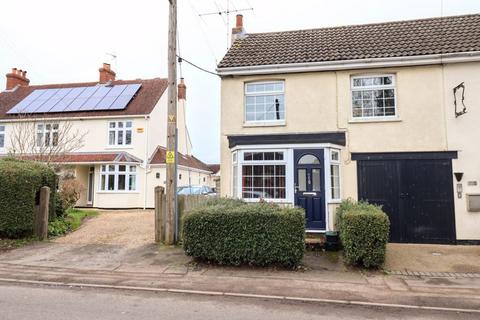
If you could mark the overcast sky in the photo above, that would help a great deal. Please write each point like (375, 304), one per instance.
(66, 41)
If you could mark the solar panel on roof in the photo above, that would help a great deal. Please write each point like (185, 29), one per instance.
(74, 99)
(25, 102)
(122, 101)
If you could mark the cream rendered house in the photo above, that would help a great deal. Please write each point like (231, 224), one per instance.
(123, 123)
(311, 117)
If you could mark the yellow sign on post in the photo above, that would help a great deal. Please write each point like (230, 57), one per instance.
(170, 157)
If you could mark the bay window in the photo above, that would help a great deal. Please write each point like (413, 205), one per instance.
(120, 133)
(263, 175)
(118, 178)
(264, 101)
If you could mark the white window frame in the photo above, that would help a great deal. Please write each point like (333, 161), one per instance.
(264, 93)
(54, 130)
(333, 162)
(115, 130)
(3, 135)
(238, 166)
(392, 86)
(105, 172)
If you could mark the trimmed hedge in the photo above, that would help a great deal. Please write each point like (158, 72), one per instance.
(364, 231)
(233, 232)
(19, 183)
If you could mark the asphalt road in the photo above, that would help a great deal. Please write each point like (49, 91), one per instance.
(40, 302)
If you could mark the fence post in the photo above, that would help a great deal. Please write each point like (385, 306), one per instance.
(40, 227)
(159, 227)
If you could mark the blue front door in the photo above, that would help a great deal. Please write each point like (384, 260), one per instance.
(309, 186)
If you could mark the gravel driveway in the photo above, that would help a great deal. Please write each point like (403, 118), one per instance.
(130, 228)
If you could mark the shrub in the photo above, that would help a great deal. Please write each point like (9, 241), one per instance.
(364, 232)
(233, 232)
(20, 181)
(70, 192)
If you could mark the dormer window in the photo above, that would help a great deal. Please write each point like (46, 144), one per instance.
(373, 97)
(264, 102)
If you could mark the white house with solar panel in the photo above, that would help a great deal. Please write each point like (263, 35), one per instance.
(121, 157)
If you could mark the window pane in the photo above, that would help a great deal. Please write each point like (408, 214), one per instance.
(103, 182)
(122, 168)
(302, 180)
(387, 80)
(2, 128)
(121, 182)
(133, 169)
(120, 137)
(132, 183)
(335, 155)
(39, 139)
(278, 155)
(120, 124)
(111, 182)
(128, 124)
(389, 93)
(2, 140)
(111, 138)
(316, 186)
(112, 124)
(269, 156)
(55, 139)
(308, 159)
(258, 156)
(335, 181)
(111, 167)
(128, 137)
(103, 167)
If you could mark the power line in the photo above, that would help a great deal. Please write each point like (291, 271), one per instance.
(181, 59)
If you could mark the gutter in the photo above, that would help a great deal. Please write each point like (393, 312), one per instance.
(459, 57)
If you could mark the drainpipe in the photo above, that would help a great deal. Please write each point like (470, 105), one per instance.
(145, 184)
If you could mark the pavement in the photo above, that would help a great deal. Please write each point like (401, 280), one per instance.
(40, 302)
(98, 256)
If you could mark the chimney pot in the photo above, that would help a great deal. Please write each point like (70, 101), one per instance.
(239, 21)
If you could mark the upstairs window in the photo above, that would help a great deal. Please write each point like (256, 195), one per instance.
(2, 137)
(47, 135)
(264, 102)
(373, 97)
(120, 133)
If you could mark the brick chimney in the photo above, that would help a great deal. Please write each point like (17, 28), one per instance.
(106, 74)
(239, 31)
(17, 78)
(182, 90)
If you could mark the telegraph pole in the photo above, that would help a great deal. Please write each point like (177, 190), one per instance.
(171, 161)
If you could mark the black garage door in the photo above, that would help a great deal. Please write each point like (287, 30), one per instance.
(415, 190)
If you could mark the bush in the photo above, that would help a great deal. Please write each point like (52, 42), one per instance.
(20, 181)
(232, 232)
(364, 231)
(71, 221)
(70, 192)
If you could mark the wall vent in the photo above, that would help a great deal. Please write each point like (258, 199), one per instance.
(473, 202)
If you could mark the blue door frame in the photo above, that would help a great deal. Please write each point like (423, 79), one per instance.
(309, 179)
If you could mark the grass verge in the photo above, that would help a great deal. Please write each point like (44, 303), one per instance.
(72, 221)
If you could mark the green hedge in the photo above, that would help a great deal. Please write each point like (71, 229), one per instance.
(364, 231)
(19, 183)
(233, 232)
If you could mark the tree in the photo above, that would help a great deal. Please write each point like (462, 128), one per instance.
(49, 142)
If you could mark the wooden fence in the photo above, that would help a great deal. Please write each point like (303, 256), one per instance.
(185, 203)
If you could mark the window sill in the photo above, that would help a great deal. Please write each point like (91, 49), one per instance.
(373, 120)
(264, 124)
(335, 201)
(118, 147)
(284, 201)
(117, 192)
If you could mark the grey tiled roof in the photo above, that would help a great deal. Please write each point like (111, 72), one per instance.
(380, 40)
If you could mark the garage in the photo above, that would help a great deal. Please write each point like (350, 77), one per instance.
(414, 189)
